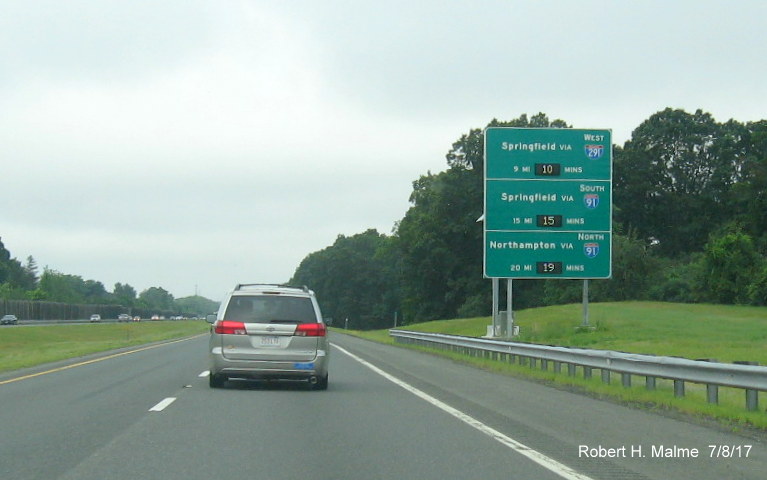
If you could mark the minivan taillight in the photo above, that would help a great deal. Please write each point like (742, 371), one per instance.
(229, 327)
(310, 330)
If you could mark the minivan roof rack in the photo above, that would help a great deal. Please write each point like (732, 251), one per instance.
(279, 285)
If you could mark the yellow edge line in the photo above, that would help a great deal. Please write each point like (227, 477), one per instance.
(100, 359)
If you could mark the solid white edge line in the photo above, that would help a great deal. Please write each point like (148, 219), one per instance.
(547, 462)
(163, 404)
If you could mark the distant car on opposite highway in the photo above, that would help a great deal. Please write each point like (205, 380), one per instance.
(95, 317)
(123, 317)
(9, 320)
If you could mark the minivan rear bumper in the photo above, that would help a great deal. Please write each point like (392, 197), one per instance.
(263, 369)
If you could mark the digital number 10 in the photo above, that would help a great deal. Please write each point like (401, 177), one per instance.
(547, 169)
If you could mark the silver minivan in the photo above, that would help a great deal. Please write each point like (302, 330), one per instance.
(265, 331)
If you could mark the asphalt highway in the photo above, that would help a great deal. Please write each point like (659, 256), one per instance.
(389, 413)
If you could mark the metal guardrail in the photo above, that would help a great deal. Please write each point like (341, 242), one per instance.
(751, 378)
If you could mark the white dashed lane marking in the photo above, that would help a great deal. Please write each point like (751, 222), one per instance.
(163, 404)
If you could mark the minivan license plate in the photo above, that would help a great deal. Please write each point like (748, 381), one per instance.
(270, 341)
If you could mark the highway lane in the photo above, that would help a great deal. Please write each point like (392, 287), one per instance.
(51, 422)
(94, 421)
(558, 423)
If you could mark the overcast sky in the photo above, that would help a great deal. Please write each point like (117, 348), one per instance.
(191, 145)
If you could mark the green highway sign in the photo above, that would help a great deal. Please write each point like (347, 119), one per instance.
(548, 203)
(547, 255)
(553, 153)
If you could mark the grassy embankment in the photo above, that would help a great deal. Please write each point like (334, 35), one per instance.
(29, 346)
(723, 333)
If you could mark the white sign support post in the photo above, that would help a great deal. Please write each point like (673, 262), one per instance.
(495, 307)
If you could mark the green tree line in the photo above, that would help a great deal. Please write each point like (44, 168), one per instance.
(23, 282)
(689, 199)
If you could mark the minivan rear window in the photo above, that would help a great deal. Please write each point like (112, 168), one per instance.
(270, 309)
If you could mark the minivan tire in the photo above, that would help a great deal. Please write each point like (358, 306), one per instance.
(322, 383)
(216, 381)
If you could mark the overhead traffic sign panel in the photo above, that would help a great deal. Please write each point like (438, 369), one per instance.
(548, 203)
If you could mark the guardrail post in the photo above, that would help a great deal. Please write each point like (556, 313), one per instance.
(679, 388)
(544, 364)
(649, 383)
(557, 367)
(533, 362)
(571, 369)
(712, 393)
(752, 396)
(606, 376)
(626, 379)
(752, 400)
(587, 372)
(712, 390)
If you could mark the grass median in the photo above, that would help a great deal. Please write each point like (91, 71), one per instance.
(22, 347)
(715, 332)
